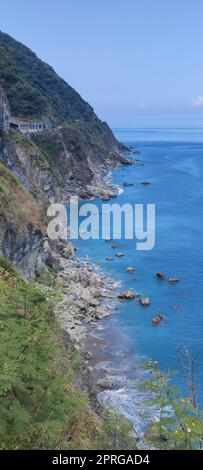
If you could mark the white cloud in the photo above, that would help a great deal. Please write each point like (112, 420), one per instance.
(198, 101)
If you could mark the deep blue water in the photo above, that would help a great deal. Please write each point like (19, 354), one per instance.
(172, 159)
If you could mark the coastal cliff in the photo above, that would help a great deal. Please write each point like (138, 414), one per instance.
(44, 321)
(70, 156)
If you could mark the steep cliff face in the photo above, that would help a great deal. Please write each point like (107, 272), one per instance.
(69, 158)
(4, 111)
(22, 226)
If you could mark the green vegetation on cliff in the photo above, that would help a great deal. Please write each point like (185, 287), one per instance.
(33, 87)
(41, 407)
(17, 206)
(22, 224)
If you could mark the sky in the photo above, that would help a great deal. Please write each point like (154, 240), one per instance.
(130, 59)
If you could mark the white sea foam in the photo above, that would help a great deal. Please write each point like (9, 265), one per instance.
(120, 191)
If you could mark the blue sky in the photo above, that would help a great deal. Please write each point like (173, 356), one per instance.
(131, 59)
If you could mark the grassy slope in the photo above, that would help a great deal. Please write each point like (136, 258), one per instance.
(17, 206)
(40, 405)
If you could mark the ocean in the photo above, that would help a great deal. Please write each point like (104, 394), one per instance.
(172, 160)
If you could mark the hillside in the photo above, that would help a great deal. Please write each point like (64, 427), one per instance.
(33, 87)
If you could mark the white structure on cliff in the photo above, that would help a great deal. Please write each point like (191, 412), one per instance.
(27, 126)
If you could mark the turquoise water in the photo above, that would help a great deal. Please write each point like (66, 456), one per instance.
(172, 159)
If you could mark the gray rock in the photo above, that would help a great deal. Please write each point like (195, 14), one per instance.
(129, 294)
(145, 301)
(105, 383)
(127, 183)
(87, 355)
(4, 111)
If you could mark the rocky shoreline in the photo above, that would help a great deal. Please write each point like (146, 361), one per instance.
(83, 296)
(87, 295)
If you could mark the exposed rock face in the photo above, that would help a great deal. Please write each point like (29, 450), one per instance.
(51, 167)
(26, 251)
(25, 161)
(22, 226)
(4, 111)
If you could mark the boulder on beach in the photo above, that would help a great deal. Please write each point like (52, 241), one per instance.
(94, 302)
(101, 312)
(119, 254)
(173, 279)
(177, 307)
(160, 275)
(155, 419)
(129, 294)
(144, 414)
(130, 269)
(145, 301)
(156, 320)
(87, 355)
(105, 383)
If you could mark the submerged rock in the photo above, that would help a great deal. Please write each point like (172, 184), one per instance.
(160, 275)
(146, 182)
(127, 183)
(156, 320)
